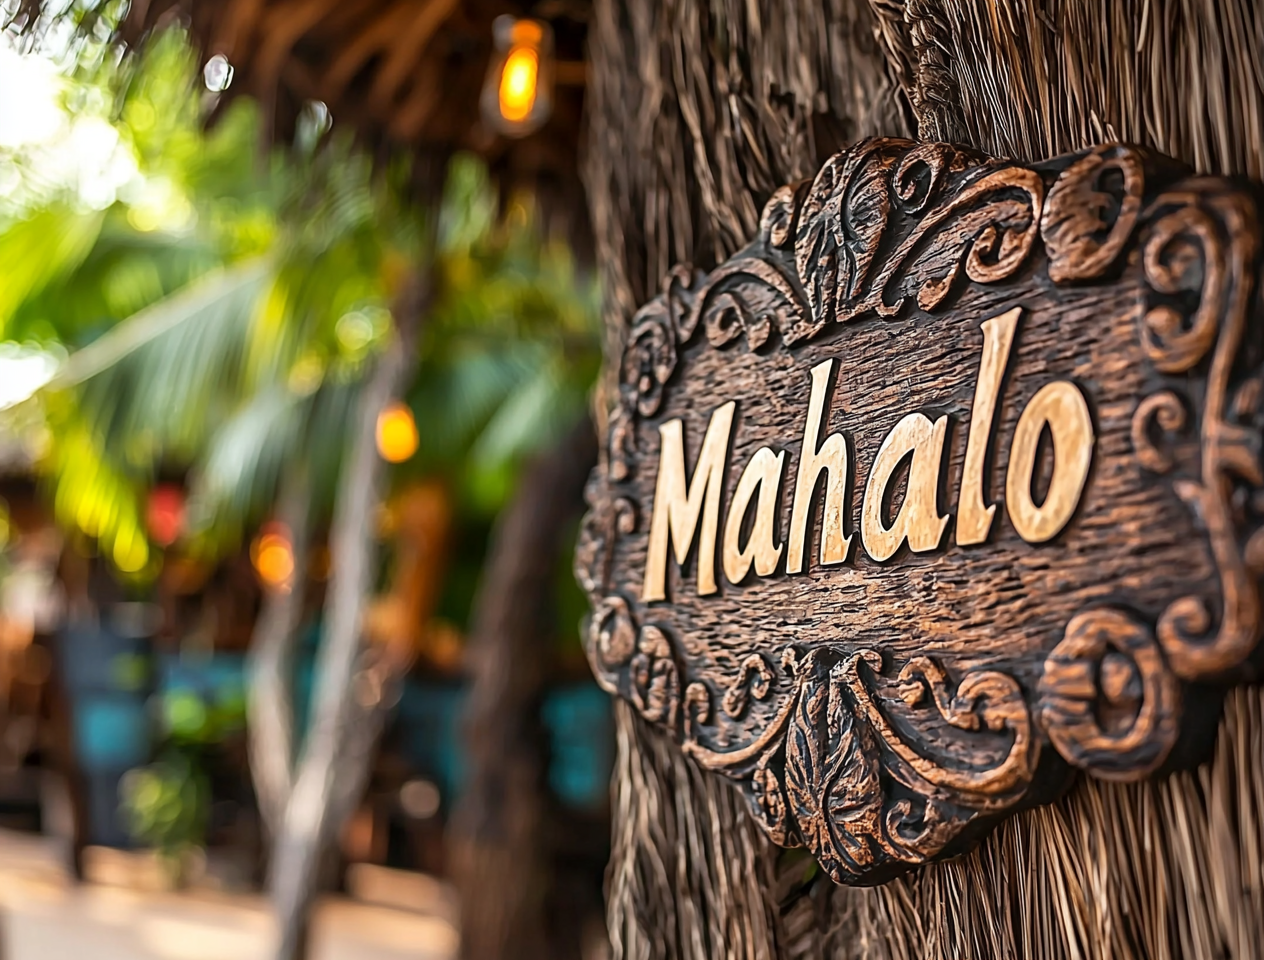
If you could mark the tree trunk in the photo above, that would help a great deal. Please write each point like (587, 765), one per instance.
(352, 685)
(500, 858)
(271, 662)
(697, 112)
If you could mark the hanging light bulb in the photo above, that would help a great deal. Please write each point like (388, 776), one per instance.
(519, 84)
(518, 94)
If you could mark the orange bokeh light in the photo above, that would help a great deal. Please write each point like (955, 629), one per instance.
(519, 81)
(273, 556)
(396, 433)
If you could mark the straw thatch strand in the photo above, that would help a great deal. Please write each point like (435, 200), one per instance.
(696, 112)
(1035, 78)
(1166, 870)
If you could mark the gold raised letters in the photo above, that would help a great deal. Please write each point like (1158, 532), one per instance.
(918, 520)
(1063, 408)
(974, 514)
(831, 457)
(679, 503)
(762, 473)
(687, 509)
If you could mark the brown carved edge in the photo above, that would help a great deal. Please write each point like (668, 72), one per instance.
(828, 770)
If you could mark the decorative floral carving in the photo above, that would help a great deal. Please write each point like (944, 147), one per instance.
(650, 355)
(754, 295)
(779, 218)
(985, 700)
(754, 680)
(613, 632)
(768, 798)
(1204, 241)
(622, 445)
(1106, 699)
(1164, 410)
(728, 310)
(824, 767)
(987, 228)
(921, 172)
(1086, 224)
(697, 708)
(655, 679)
(1182, 244)
(832, 769)
(607, 518)
(838, 237)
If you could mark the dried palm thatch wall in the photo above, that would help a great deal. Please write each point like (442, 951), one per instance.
(697, 111)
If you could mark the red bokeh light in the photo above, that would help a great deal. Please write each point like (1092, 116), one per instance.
(164, 514)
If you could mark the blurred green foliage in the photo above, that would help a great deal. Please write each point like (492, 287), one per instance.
(190, 719)
(222, 308)
(166, 803)
(165, 806)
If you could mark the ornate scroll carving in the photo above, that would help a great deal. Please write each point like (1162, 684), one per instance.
(1107, 700)
(1205, 241)
(754, 680)
(835, 747)
(1086, 225)
(655, 680)
(1165, 411)
(987, 229)
(885, 711)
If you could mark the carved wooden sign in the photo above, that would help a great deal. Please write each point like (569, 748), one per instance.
(947, 485)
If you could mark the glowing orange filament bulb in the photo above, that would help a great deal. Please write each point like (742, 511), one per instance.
(518, 83)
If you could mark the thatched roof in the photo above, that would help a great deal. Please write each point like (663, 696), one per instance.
(405, 74)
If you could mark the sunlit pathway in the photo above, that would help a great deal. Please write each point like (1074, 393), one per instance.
(45, 917)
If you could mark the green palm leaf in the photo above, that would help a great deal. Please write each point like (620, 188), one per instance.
(40, 250)
(166, 376)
